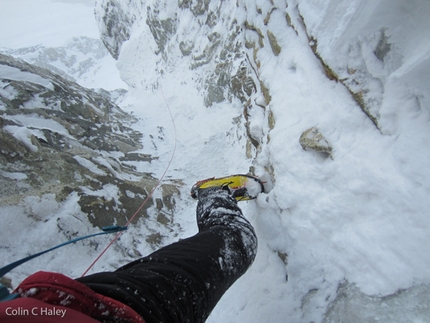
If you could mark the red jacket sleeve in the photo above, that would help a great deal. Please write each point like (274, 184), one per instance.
(56, 291)
(35, 311)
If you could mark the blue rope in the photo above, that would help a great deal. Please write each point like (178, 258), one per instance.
(4, 270)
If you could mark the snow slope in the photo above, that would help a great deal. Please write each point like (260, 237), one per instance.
(335, 235)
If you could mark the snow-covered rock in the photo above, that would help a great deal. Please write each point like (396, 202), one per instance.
(231, 86)
(314, 140)
(379, 50)
(61, 141)
(351, 69)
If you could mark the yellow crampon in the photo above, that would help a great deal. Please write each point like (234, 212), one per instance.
(239, 185)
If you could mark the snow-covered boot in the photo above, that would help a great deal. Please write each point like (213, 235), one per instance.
(241, 187)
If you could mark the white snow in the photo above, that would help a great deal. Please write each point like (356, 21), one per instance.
(35, 121)
(13, 73)
(109, 192)
(24, 135)
(31, 126)
(13, 175)
(35, 225)
(361, 217)
(89, 165)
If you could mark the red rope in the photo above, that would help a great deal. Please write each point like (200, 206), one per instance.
(147, 198)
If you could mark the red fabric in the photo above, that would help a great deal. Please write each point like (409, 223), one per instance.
(63, 292)
(27, 310)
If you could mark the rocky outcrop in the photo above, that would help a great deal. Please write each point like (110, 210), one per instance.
(369, 55)
(57, 137)
(221, 53)
(312, 139)
(219, 47)
(115, 23)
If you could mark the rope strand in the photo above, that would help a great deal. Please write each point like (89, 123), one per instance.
(150, 194)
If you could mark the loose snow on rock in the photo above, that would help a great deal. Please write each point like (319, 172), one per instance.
(336, 235)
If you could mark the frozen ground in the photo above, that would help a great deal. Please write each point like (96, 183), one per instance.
(359, 218)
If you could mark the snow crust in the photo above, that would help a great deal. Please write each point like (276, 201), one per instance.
(360, 218)
(15, 74)
(348, 33)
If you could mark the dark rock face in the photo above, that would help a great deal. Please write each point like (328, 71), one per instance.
(115, 23)
(220, 55)
(57, 137)
(223, 58)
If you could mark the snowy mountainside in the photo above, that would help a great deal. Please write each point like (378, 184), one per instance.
(68, 165)
(82, 59)
(322, 104)
(327, 101)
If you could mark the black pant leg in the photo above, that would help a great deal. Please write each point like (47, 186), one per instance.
(184, 281)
